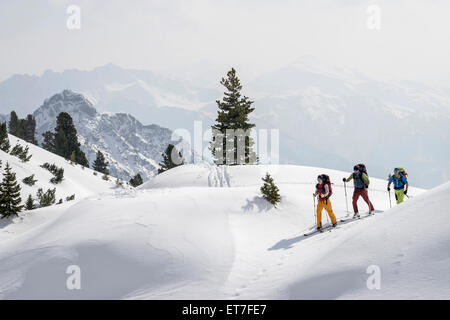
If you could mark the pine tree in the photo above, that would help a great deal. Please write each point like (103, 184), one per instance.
(61, 144)
(58, 173)
(4, 140)
(46, 199)
(29, 204)
(66, 139)
(14, 124)
(9, 194)
(270, 191)
(100, 164)
(24, 155)
(30, 129)
(58, 176)
(73, 158)
(136, 181)
(21, 153)
(169, 163)
(30, 181)
(17, 150)
(233, 114)
(49, 141)
(23, 128)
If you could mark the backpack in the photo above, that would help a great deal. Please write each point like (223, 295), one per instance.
(362, 168)
(326, 181)
(402, 172)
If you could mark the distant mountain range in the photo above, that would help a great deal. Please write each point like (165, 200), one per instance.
(151, 97)
(327, 116)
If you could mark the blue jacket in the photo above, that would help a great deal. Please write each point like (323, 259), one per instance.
(399, 183)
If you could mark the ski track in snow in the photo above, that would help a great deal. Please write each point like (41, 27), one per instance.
(218, 177)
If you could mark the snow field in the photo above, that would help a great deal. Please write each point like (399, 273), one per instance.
(202, 232)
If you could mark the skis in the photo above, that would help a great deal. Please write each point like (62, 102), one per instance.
(327, 228)
(353, 218)
(361, 217)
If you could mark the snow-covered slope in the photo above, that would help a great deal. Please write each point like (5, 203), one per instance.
(410, 245)
(202, 232)
(81, 182)
(128, 146)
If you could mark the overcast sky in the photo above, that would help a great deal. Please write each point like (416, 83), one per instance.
(195, 38)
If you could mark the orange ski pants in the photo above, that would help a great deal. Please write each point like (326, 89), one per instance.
(325, 204)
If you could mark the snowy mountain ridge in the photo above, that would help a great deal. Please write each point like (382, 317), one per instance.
(128, 146)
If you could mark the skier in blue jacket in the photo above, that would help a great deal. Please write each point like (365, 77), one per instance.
(400, 182)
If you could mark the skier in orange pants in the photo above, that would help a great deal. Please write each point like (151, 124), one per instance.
(324, 191)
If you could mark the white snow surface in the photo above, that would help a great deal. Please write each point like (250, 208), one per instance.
(203, 232)
(81, 182)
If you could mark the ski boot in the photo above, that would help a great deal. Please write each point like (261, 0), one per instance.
(356, 216)
(319, 228)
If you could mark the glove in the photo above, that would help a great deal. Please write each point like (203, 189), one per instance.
(322, 196)
(406, 191)
(345, 180)
(314, 195)
(389, 188)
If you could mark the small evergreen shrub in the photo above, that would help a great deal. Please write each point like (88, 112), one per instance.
(136, 181)
(270, 191)
(21, 153)
(57, 172)
(30, 181)
(46, 199)
(29, 204)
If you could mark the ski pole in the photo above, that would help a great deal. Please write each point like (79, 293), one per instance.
(315, 216)
(346, 200)
(389, 190)
(390, 201)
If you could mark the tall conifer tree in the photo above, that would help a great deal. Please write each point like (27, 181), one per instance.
(4, 140)
(233, 114)
(100, 164)
(66, 139)
(9, 194)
